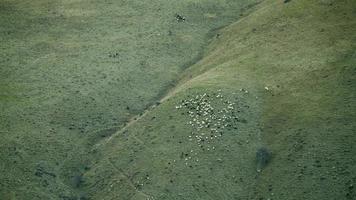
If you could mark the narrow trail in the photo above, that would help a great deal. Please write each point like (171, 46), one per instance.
(167, 94)
(129, 181)
(130, 122)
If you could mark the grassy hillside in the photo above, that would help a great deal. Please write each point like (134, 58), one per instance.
(78, 80)
(73, 72)
(289, 71)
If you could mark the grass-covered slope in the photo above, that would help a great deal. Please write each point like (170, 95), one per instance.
(73, 72)
(282, 78)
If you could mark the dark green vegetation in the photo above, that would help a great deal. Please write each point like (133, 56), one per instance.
(78, 78)
(263, 157)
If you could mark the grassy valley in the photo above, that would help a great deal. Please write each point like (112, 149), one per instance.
(172, 99)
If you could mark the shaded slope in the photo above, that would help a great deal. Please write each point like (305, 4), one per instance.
(296, 60)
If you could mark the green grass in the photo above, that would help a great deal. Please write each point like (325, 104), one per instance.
(61, 88)
(303, 52)
(65, 101)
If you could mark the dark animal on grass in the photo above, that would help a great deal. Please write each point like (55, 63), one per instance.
(263, 157)
(180, 18)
